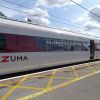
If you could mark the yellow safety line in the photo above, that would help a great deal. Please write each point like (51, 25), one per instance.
(13, 89)
(51, 78)
(89, 65)
(44, 89)
(33, 96)
(30, 97)
(64, 78)
(30, 87)
(75, 73)
(93, 68)
(6, 85)
(23, 87)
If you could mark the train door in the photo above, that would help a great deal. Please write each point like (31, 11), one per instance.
(92, 49)
(2, 43)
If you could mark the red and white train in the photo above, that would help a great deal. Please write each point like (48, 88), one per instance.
(25, 46)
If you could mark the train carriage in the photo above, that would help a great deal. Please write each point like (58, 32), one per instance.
(25, 46)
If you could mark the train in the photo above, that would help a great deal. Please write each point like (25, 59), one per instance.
(24, 46)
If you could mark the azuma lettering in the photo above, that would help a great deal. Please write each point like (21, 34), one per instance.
(13, 58)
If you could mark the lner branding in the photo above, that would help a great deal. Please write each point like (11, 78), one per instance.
(13, 58)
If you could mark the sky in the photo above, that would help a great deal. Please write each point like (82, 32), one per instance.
(62, 14)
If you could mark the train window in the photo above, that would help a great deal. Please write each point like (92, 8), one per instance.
(27, 44)
(86, 46)
(2, 43)
(22, 43)
(11, 43)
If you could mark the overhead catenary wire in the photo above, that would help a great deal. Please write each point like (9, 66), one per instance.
(51, 19)
(57, 17)
(57, 21)
(81, 6)
(85, 8)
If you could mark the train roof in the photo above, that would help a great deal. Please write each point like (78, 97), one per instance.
(49, 30)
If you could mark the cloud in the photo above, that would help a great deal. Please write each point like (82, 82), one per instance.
(87, 32)
(92, 26)
(93, 22)
(90, 21)
(65, 28)
(95, 10)
(37, 16)
(10, 9)
(37, 12)
(55, 3)
(80, 19)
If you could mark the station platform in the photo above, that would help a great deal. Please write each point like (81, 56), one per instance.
(78, 82)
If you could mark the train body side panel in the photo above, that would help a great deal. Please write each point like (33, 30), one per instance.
(17, 62)
(97, 49)
(17, 58)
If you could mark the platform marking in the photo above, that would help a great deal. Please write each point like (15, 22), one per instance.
(5, 85)
(49, 86)
(90, 66)
(32, 96)
(75, 73)
(67, 83)
(51, 78)
(58, 77)
(23, 87)
(13, 88)
(42, 72)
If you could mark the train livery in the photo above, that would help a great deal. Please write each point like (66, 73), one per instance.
(24, 46)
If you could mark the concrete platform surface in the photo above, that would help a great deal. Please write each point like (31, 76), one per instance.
(87, 89)
(79, 82)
